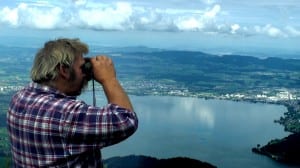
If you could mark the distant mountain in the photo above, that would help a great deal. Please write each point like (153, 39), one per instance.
(112, 49)
(199, 71)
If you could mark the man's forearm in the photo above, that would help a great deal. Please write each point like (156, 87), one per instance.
(115, 94)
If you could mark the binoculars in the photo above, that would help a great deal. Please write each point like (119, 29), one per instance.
(87, 68)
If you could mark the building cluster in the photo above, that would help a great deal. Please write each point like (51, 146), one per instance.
(5, 89)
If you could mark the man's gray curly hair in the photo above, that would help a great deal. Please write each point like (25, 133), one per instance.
(58, 52)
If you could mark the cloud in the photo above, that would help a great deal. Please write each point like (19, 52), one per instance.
(9, 16)
(198, 20)
(79, 2)
(208, 1)
(116, 17)
(122, 16)
(213, 12)
(292, 31)
(234, 28)
(270, 30)
(32, 16)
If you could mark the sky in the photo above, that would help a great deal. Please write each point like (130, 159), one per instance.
(221, 25)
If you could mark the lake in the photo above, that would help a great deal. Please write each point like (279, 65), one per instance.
(220, 132)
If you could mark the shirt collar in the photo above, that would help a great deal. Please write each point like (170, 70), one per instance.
(40, 88)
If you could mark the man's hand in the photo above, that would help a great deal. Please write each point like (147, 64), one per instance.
(103, 69)
(105, 74)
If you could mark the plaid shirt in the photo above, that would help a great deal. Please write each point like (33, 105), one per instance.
(49, 129)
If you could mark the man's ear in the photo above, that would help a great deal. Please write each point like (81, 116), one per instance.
(64, 71)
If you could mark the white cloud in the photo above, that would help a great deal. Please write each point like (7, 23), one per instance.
(208, 1)
(31, 16)
(9, 16)
(39, 17)
(189, 24)
(128, 16)
(115, 17)
(293, 31)
(198, 20)
(270, 30)
(274, 32)
(234, 28)
(213, 12)
(80, 2)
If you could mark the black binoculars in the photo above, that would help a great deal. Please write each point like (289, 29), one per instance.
(87, 68)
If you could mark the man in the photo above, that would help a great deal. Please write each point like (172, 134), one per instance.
(48, 127)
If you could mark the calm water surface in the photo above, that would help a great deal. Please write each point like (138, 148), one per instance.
(215, 131)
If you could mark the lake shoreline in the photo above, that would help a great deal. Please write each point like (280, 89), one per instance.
(286, 150)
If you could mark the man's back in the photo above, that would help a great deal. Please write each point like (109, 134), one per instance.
(48, 128)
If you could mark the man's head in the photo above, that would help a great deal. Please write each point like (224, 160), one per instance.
(59, 61)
